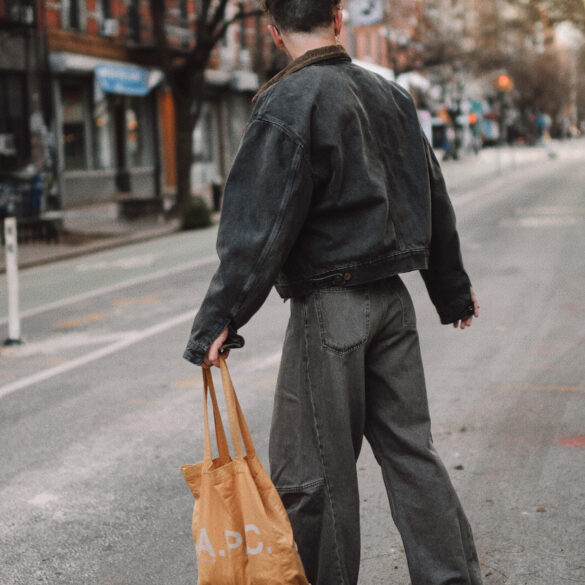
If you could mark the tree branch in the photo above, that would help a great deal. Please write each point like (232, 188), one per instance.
(239, 16)
(218, 15)
(205, 5)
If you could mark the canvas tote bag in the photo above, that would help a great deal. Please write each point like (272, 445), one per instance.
(241, 530)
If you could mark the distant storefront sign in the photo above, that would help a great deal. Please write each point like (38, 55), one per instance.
(365, 12)
(123, 80)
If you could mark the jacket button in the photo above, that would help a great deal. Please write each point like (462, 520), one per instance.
(347, 276)
(338, 279)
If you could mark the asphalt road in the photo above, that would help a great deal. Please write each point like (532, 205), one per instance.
(98, 410)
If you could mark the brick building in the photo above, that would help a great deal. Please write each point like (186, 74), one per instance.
(114, 117)
(386, 32)
(23, 102)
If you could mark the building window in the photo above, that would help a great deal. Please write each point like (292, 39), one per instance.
(103, 144)
(184, 24)
(107, 131)
(368, 45)
(106, 8)
(18, 11)
(74, 127)
(14, 129)
(242, 27)
(134, 21)
(108, 25)
(139, 132)
(70, 14)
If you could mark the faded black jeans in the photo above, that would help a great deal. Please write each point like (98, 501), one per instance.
(351, 367)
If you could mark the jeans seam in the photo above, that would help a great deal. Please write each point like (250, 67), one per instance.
(319, 441)
(408, 316)
(402, 314)
(386, 467)
(293, 489)
(403, 319)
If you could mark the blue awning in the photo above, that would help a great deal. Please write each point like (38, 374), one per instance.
(123, 79)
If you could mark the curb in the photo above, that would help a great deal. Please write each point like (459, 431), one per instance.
(99, 245)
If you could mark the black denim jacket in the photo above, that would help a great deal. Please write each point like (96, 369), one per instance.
(334, 184)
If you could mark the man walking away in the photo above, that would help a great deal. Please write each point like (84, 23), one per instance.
(335, 192)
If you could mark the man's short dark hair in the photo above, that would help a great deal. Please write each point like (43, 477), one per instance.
(301, 15)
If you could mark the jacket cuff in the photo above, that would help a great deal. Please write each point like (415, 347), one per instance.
(460, 308)
(195, 353)
(233, 341)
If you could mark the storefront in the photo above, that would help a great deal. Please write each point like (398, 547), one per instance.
(25, 162)
(219, 130)
(106, 120)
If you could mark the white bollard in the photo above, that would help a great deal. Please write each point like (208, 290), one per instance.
(11, 240)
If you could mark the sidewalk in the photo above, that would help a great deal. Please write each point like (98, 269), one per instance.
(90, 229)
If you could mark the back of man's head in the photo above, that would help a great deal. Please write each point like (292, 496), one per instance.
(301, 15)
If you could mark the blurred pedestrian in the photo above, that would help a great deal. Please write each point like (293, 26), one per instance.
(451, 144)
(334, 192)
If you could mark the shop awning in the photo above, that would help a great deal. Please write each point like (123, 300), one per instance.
(111, 76)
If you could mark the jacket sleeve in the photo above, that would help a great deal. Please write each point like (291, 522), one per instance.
(266, 200)
(447, 282)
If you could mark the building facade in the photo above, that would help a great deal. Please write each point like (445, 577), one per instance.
(113, 113)
(105, 95)
(24, 103)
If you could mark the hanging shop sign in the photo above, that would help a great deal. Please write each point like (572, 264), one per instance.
(122, 79)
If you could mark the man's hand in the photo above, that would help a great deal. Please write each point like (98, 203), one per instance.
(212, 356)
(467, 321)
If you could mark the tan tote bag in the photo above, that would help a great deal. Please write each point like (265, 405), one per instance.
(241, 529)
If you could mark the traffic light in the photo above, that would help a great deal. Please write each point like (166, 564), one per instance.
(505, 82)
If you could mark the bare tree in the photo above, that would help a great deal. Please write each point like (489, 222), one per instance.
(541, 74)
(562, 10)
(184, 70)
(541, 81)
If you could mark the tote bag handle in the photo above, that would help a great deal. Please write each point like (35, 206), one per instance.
(238, 426)
(237, 423)
(222, 446)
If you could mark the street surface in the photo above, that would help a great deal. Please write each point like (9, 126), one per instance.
(98, 410)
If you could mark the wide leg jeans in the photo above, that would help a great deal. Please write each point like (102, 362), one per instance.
(351, 367)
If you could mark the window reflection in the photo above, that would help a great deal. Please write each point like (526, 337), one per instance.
(139, 132)
(102, 150)
(73, 127)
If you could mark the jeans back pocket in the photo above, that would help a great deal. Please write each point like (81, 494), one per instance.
(344, 315)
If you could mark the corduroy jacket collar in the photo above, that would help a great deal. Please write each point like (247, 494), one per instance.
(308, 58)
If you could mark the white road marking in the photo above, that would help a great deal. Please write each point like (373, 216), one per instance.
(115, 287)
(126, 263)
(129, 339)
(57, 343)
(43, 499)
(541, 221)
(550, 210)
